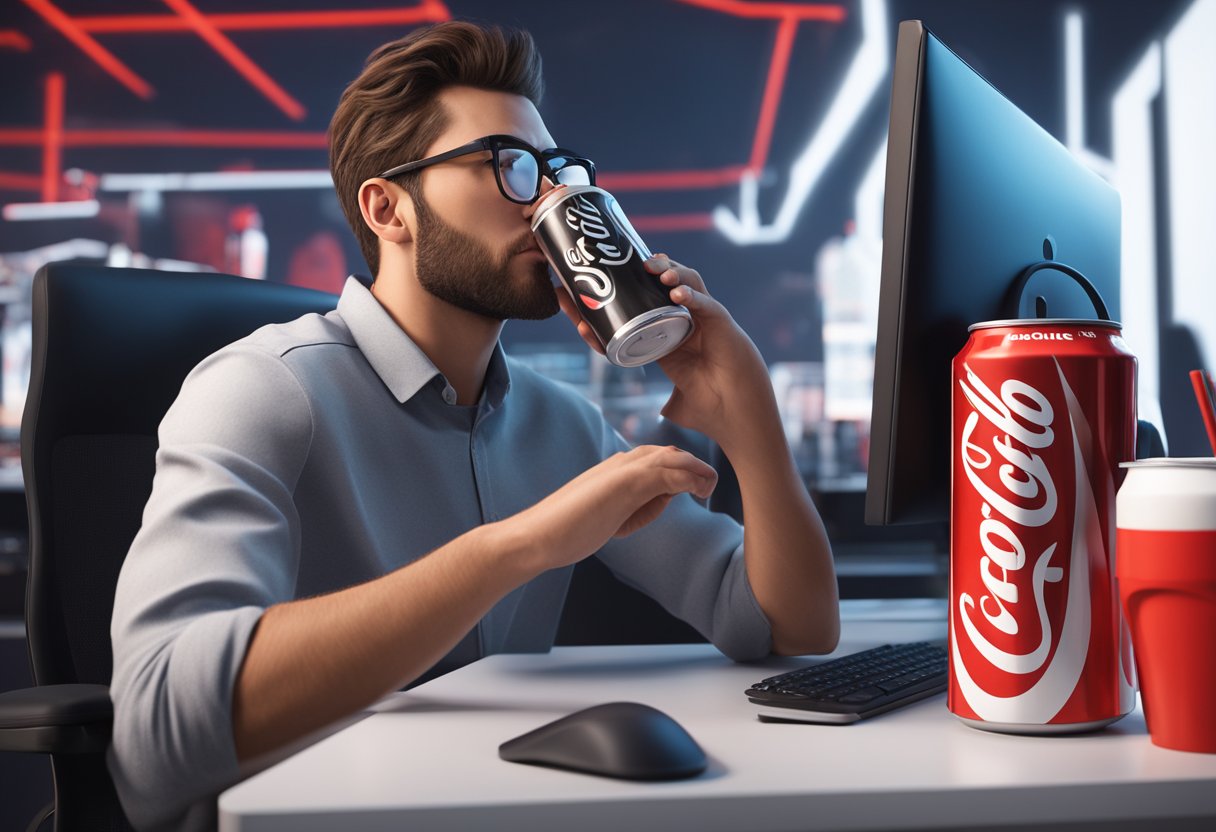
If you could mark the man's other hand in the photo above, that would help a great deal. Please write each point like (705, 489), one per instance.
(612, 499)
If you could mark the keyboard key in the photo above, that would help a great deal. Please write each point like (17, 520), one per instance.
(901, 682)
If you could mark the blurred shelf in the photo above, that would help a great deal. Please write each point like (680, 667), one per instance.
(10, 478)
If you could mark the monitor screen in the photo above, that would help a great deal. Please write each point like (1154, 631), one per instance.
(976, 192)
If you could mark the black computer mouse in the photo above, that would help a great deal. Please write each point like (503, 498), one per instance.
(626, 740)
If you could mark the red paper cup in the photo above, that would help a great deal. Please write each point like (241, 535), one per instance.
(1166, 566)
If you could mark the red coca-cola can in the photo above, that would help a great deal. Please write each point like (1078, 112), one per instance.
(1043, 413)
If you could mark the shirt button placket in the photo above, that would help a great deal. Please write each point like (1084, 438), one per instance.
(480, 481)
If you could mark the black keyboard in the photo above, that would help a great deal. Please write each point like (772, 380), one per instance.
(856, 686)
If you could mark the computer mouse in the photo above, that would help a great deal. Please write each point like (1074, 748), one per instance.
(626, 740)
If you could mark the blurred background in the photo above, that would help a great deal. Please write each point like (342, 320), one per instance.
(746, 139)
(191, 136)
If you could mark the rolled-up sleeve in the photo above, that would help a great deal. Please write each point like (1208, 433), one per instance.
(690, 560)
(219, 543)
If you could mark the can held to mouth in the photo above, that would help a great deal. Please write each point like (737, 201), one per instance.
(1043, 414)
(599, 259)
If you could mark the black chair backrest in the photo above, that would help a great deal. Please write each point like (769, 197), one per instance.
(111, 348)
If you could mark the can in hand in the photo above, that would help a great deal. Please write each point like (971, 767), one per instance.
(599, 259)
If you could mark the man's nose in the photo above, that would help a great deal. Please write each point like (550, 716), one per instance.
(546, 185)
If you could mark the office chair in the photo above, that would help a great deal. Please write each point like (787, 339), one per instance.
(111, 348)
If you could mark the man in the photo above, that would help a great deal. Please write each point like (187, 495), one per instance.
(343, 502)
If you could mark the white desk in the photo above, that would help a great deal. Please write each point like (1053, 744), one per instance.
(428, 758)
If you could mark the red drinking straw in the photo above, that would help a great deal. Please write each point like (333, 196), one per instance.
(1205, 392)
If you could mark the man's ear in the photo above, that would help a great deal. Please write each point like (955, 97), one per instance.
(387, 209)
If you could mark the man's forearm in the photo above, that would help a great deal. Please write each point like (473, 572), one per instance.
(789, 559)
(313, 661)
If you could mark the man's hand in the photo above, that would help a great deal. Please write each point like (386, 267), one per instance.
(718, 374)
(614, 498)
(722, 389)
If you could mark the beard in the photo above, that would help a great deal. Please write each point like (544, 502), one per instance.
(462, 271)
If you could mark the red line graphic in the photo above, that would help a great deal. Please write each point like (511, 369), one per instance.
(673, 181)
(100, 55)
(211, 27)
(20, 136)
(12, 39)
(188, 18)
(772, 93)
(429, 11)
(11, 181)
(736, 8)
(51, 149)
(282, 140)
(673, 222)
(789, 15)
(238, 59)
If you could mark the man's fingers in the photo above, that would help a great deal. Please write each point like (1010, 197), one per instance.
(584, 330)
(679, 481)
(671, 273)
(699, 302)
(588, 335)
(673, 471)
(567, 304)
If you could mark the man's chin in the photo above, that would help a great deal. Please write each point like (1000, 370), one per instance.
(537, 301)
(540, 311)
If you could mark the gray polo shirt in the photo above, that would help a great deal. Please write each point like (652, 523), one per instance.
(328, 451)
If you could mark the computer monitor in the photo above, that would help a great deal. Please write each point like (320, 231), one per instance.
(976, 191)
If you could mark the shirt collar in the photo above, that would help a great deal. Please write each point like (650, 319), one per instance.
(401, 364)
(498, 378)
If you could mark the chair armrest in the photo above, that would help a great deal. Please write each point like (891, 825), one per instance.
(56, 719)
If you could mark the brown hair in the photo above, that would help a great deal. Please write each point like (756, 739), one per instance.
(390, 113)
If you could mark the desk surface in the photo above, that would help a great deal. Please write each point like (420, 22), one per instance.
(427, 758)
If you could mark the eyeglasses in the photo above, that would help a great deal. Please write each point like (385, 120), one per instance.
(518, 166)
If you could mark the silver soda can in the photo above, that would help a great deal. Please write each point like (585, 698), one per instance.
(598, 257)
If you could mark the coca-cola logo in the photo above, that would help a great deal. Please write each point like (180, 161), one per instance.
(600, 244)
(1007, 470)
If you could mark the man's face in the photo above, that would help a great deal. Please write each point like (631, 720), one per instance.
(473, 247)
(458, 268)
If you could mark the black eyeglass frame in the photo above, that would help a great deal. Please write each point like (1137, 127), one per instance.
(494, 144)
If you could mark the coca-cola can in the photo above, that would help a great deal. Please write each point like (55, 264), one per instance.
(598, 257)
(1043, 414)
